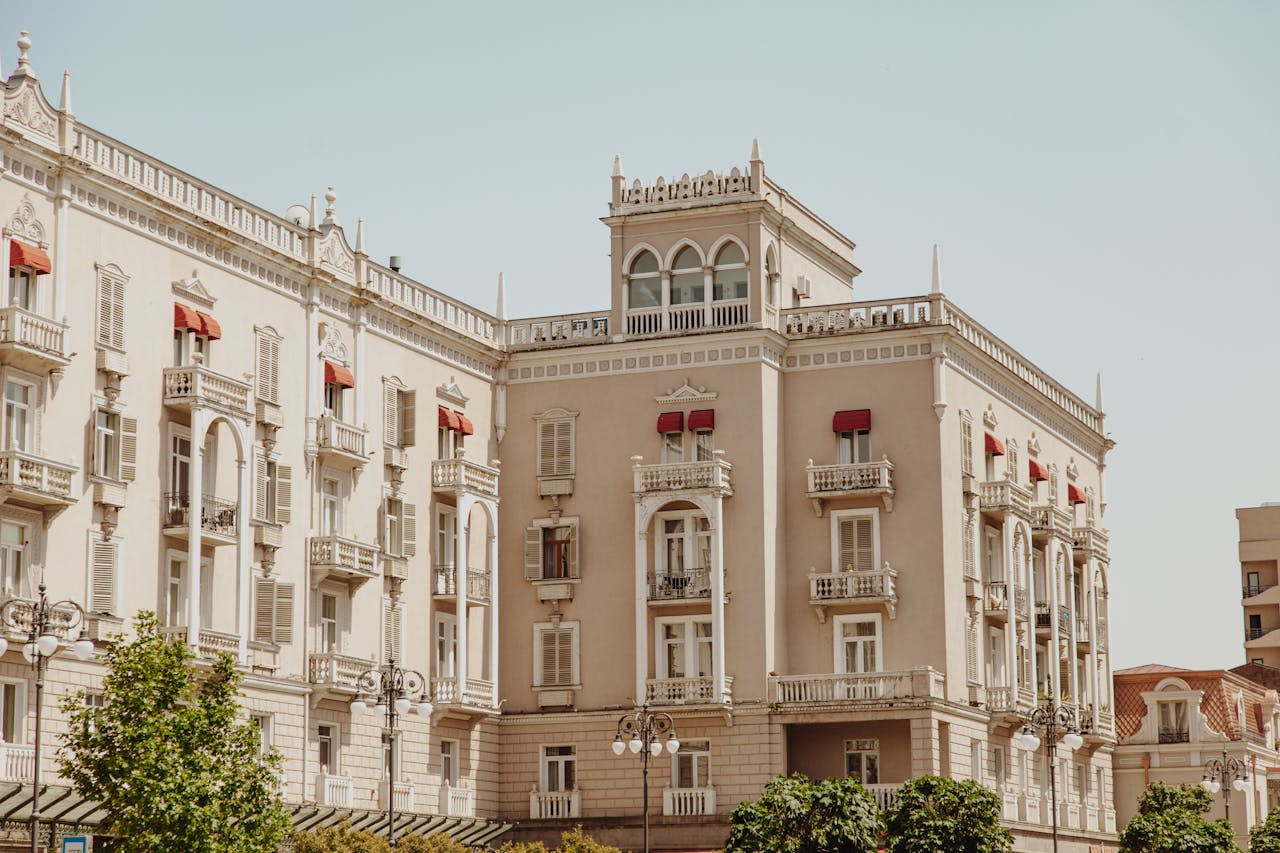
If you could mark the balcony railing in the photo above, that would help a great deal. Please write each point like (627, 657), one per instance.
(560, 330)
(1005, 496)
(479, 584)
(1091, 541)
(403, 794)
(829, 480)
(335, 791)
(1252, 633)
(997, 597)
(921, 683)
(196, 385)
(1051, 520)
(217, 516)
(457, 800)
(688, 802)
(462, 475)
(30, 479)
(1083, 635)
(478, 692)
(1044, 619)
(29, 340)
(341, 557)
(1173, 735)
(858, 316)
(885, 793)
(686, 691)
(686, 316)
(554, 805)
(711, 476)
(209, 644)
(335, 670)
(678, 586)
(851, 586)
(337, 438)
(1251, 590)
(17, 762)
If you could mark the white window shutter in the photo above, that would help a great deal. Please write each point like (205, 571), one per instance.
(573, 551)
(409, 529)
(390, 414)
(128, 449)
(564, 448)
(284, 614)
(268, 368)
(105, 564)
(848, 546)
(260, 486)
(392, 627)
(264, 610)
(284, 494)
(408, 417)
(866, 556)
(546, 449)
(533, 553)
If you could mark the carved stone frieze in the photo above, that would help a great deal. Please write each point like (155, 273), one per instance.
(24, 225)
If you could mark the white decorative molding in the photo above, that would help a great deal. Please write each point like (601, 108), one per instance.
(334, 252)
(23, 224)
(687, 393)
(194, 290)
(1033, 444)
(1073, 470)
(989, 418)
(331, 345)
(555, 413)
(452, 392)
(28, 109)
(1175, 690)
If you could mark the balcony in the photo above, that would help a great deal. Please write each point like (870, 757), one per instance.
(1254, 590)
(683, 477)
(1091, 542)
(911, 686)
(340, 443)
(860, 479)
(219, 519)
(686, 691)
(837, 588)
(462, 476)
(1010, 703)
(1002, 496)
(476, 699)
(1049, 520)
(33, 481)
(884, 793)
(335, 672)
(1084, 637)
(479, 585)
(403, 794)
(1044, 621)
(195, 386)
(554, 805)
(333, 790)
(688, 585)
(688, 802)
(31, 342)
(342, 559)
(17, 762)
(689, 316)
(209, 644)
(457, 800)
(997, 599)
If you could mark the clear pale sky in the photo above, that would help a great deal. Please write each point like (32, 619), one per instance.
(1103, 179)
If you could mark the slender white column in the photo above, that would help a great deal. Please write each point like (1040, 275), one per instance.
(61, 275)
(1051, 577)
(708, 290)
(463, 546)
(1074, 673)
(244, 549)
(362, 321)
(1092, 661)
(642, 605)
(666, 300)
(195, 480)
(1010, 586)
(492, 570)
(717, 601)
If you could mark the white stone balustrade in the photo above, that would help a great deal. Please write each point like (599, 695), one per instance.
(1005, 495)
(884, 793)
(209, 644)
(711, 476)
(43, 338)
(850, 586)
(403, 793)
(462, 475)
(920, 683)
(688, 802)
(1053, 520)
(557, 330)
(1091, 541)
(478, 692)
(37, 480)
(554, 805)
(335, 436)
(686, 691)
(337, 670)
(858, 316)
(196, 385)
(334, 790)
(823, 480)
(337, 556)
(457, 800)
(17, 762)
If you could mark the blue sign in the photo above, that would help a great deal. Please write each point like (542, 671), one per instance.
(77, 844)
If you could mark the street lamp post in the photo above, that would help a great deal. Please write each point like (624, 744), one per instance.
(641, 731)
(1051, 718)
(396, 691)
(1223, 774)
(44, 624)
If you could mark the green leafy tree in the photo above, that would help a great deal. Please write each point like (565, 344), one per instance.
(571, 841)
(935, 813)
(1265, 837)
(344, 839)
(796, 815)
(1170, 819)
(169, 756)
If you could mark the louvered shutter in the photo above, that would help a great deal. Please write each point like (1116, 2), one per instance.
(848, 546)
(557, 657)
(546, 449)
(533, 553)
(268, 368)
(392, 627)
(105, 558)
(966, 447)
(564, 448)
(284, 494)
(866, 546)
(117, 312)
(128, 449)
(261, 483)
(971, 649)
(857, 545)
(110, 311)
(390, 414)
(970, 555)
(408, 416)
(409, 529)
(284, 614)
(264, 607)
(573, 551)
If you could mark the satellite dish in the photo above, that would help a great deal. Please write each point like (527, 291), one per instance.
(298, 215)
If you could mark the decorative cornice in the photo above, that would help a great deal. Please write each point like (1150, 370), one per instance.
(686, 393)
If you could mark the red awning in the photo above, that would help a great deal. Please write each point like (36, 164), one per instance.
(187, 318)
(702, 419)
(1074, 494)
(671, 422)
(994, 445)
(447, 419)
(464, 424)
(209, 326)
(1038, 472)
(851, 421)
(26, 255)
(336, 374)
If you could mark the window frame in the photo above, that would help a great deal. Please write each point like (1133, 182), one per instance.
(444, 644)
(853, 447)
(31, 408)
(540, 630)
(450, 761)
(691, 642)
(562, 761)
(572, 549)
(32, 278)
(19, 715)
(696, 753)
(561, 468)
(836, 517)
(334, 740)
(864, 748)
(690, 537)
(107, 444)
(341, 620)
(840, 641)
(717, 268)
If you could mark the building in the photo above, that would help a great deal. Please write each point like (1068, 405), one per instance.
(1171, 722)
(828, 536)
(1259, 595)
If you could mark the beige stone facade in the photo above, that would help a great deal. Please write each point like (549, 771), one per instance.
(826, 535)
(1259, 594)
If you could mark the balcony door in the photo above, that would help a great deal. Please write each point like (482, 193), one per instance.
(859, 648)
(683, 555)
(446, 645)
(684, 647)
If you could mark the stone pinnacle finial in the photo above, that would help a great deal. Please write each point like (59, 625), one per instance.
(360, 235)
(330, 215)
(502, 297)
(64, 105)
(315, 220)
(24, 63)
(617, 165)
(1098, 394)
(755, 149)
(937, 272)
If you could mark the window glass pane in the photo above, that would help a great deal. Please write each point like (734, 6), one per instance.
(730, 253)
(645, 292)
(687, 259)
(730, 284)
(686, 288)
(646, 262)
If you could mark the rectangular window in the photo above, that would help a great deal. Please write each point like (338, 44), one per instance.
(392, 630)
(446, 540)
(399, 528)
(273, 611)
(999, 765)
(398, 415)
(334, 399)
(104, 566)
(13, 714)
(1172, 717)
(262, 724)
(106, 444)
(858, 646)
(862, 760)
(449, 762)
(975, 760)
(672, 448)
(448, 442)
(330, 506)
(855, 540)
(174, 593)
(13, 558)
(966, 445)
(327, 739)
(556, 448)
(703, 446)
(446, 645)
(684, 647)
(995, 658)
(691, 766)
(555, 655)
(179, 471)
(1252, 584)
(19, 399)
(551, 552)
(853, 446)
(267, 358)
(993, 555)
(22, 288)
(111, 282)
(329, 634)
(559, 768)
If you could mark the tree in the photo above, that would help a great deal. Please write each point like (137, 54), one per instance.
(1170, 819)
(796, 815)
(571, 841)
(935, 813)
(344, 839)
(169, 756)
(1265, 837)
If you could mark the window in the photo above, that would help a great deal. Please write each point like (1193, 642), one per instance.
(999, 766)
(179, 472)
(1252, 584)
(975, 760)
(177, 590)
(174, 613)
(446, 645)
(770, 280)
(555, 655)
(966, 444)
(110, 290)
(267, 365)
(104, 566)
(703, 446)
(1172, 717)
(187, 344)
(993, 554)
(262, 723)
(995, 658)
(559, 768)
(855, 542)
(449, 762)
(729, 280)
(22, 288)
(272, 490)
(853, 446)
(329, 634)
(273, 611)
(691, 766)
(556, 444)
(115, 445)
(447, 539)
(332, 495)
(13, 712)
(327, 741)
(687, 283)
(551, 552)
(399, 406)
(392, 630)
(13, 558)
(334, 397)
(645, 282)
(399, 528)
(858, 647)
(672, 448)
(450, 436)
(1011, 461)
(684, 647)
(19, 401)
(682, 554)
(862, 760)
(391, 749)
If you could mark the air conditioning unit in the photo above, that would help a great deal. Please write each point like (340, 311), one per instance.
(803, 286)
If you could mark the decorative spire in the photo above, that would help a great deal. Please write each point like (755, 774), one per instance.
(315, 219)
(24, 63)
(1098, 394)
(64, 105)
(757, 167)
(502, 293)
(330, 215)
(937, 272)
(755, 149)
(360, 235)
(617, 165)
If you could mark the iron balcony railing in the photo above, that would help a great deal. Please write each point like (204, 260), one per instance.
(216, 515)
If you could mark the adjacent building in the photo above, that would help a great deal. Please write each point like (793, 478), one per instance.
(1259, 594)
(827, 535)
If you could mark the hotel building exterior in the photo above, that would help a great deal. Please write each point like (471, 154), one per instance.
(828, 536)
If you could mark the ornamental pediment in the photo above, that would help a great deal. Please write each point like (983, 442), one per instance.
(686, 393)
(195, 290)
(336, 254)
(25, 107)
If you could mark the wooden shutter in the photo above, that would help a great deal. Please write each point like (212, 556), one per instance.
(128, 448)
(564, 448)
(110, 310)
(857, 544)
(284, 614)
(546, 449)
(573, 551)
(264, 610)
(970, 557)
(268, 368)
(557, 657)
(533, 553)
(966, 447)
(260, 485)
(408, 529)
(284, 494)
(392, 628)
(408, 416)
(971, 649)
(866, 545)
(390, 414)
(104, 557)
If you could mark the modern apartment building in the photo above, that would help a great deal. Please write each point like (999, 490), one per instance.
(1259, 594)
(826, 535)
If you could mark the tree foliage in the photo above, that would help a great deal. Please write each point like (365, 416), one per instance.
(1170, 819)
(1265, 837)
(169, 755)
(935, 813)
(571, 841)
(796, 815)
(344, 839)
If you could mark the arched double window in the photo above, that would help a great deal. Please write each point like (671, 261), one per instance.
(730, 276)
(646, 282)
(686, 277)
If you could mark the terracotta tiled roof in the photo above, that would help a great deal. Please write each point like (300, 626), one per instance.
(1148, 667)
(1221, 688)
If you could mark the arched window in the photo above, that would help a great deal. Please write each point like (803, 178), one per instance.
(686, 277)
(770, 287)
(646, 284)
(730, 273)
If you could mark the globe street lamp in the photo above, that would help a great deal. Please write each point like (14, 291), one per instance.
(642, 731)
(1223, 774)
(45, 625)
(1051, 719)
(396, 692)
